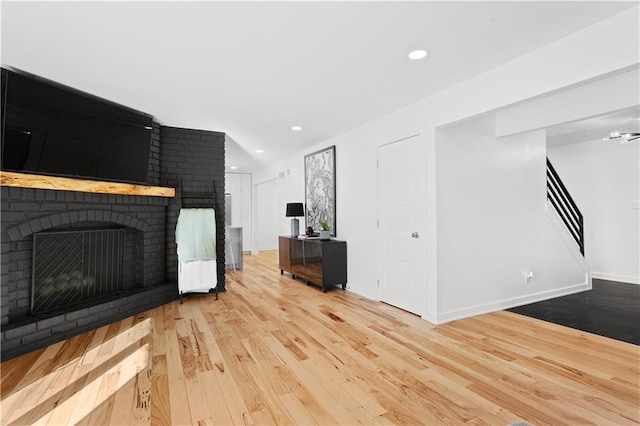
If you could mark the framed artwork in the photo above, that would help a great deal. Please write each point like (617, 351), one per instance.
(320, 188)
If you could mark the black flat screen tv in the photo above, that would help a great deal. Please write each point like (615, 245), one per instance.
(51, 129)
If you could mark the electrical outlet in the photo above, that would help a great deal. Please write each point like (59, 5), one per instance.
(528, 276)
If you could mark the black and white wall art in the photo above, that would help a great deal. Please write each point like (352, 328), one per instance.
(320, 188)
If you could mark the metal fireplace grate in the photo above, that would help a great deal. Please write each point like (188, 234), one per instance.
(71, 267)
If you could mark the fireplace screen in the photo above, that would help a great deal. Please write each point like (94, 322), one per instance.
(72, 267)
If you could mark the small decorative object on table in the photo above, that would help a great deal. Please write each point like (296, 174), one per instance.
(325, 233)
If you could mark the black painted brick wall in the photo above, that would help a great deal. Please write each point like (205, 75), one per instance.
(154, 156)
(26, 211)
(25, 338)
(195, 157)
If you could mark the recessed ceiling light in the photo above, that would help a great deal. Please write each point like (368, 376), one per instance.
(233, 167)
(296, 128)
(418, 54)
(259, 151)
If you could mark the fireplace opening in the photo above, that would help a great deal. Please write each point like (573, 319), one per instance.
(72, 267)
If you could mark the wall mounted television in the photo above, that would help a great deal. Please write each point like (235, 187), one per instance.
(51, 129)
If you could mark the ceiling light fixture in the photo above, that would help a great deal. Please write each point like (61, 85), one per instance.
(259, 151)
(418, 54)
(623, 136)
(233, 167)
(296, 128)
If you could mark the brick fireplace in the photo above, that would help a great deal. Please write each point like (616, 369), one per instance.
(194, 157)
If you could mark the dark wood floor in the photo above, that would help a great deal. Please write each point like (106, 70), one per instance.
(610, 309)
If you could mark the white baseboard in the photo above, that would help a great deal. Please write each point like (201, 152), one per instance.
(430, 318)
(511, 303)
(360, 291)
(365, 292)
(615, 277)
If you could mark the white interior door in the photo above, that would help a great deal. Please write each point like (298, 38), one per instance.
(397, 227)
(267, 215)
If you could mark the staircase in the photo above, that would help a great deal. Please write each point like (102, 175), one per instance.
(559, 197)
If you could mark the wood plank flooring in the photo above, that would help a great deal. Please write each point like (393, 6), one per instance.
(274, 351)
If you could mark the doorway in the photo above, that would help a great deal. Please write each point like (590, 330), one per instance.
(267, 217)
(398, 221)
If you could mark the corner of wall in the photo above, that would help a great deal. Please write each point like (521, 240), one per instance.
(513, 302)
(560, 228)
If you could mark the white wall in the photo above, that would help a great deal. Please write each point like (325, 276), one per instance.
(266, 209)
(603, 178)
(568, 61)
(599, 96)
(356, 192)
(493, 224)
(289, 191)
(240, 188)
(233, 186)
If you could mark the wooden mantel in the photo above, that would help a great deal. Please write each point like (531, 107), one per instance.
(23, 180)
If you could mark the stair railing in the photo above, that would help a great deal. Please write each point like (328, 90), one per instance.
(566, 208)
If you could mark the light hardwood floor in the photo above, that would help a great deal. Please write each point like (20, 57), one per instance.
(274, 351)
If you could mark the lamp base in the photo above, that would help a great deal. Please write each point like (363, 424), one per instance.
(295, 227)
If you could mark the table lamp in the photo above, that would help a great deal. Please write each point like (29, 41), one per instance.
(295, 210)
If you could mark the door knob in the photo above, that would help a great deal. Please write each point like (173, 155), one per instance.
(415, 235)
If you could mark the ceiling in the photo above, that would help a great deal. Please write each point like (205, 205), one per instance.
(595, 128)
(255, 69)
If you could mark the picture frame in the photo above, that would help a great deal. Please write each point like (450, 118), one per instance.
(320, 188)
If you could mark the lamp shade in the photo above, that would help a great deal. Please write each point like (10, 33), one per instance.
(295, 210)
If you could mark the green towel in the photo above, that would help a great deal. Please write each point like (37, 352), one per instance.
(196, 234)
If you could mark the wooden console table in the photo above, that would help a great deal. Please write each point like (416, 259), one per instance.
(316, 261)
